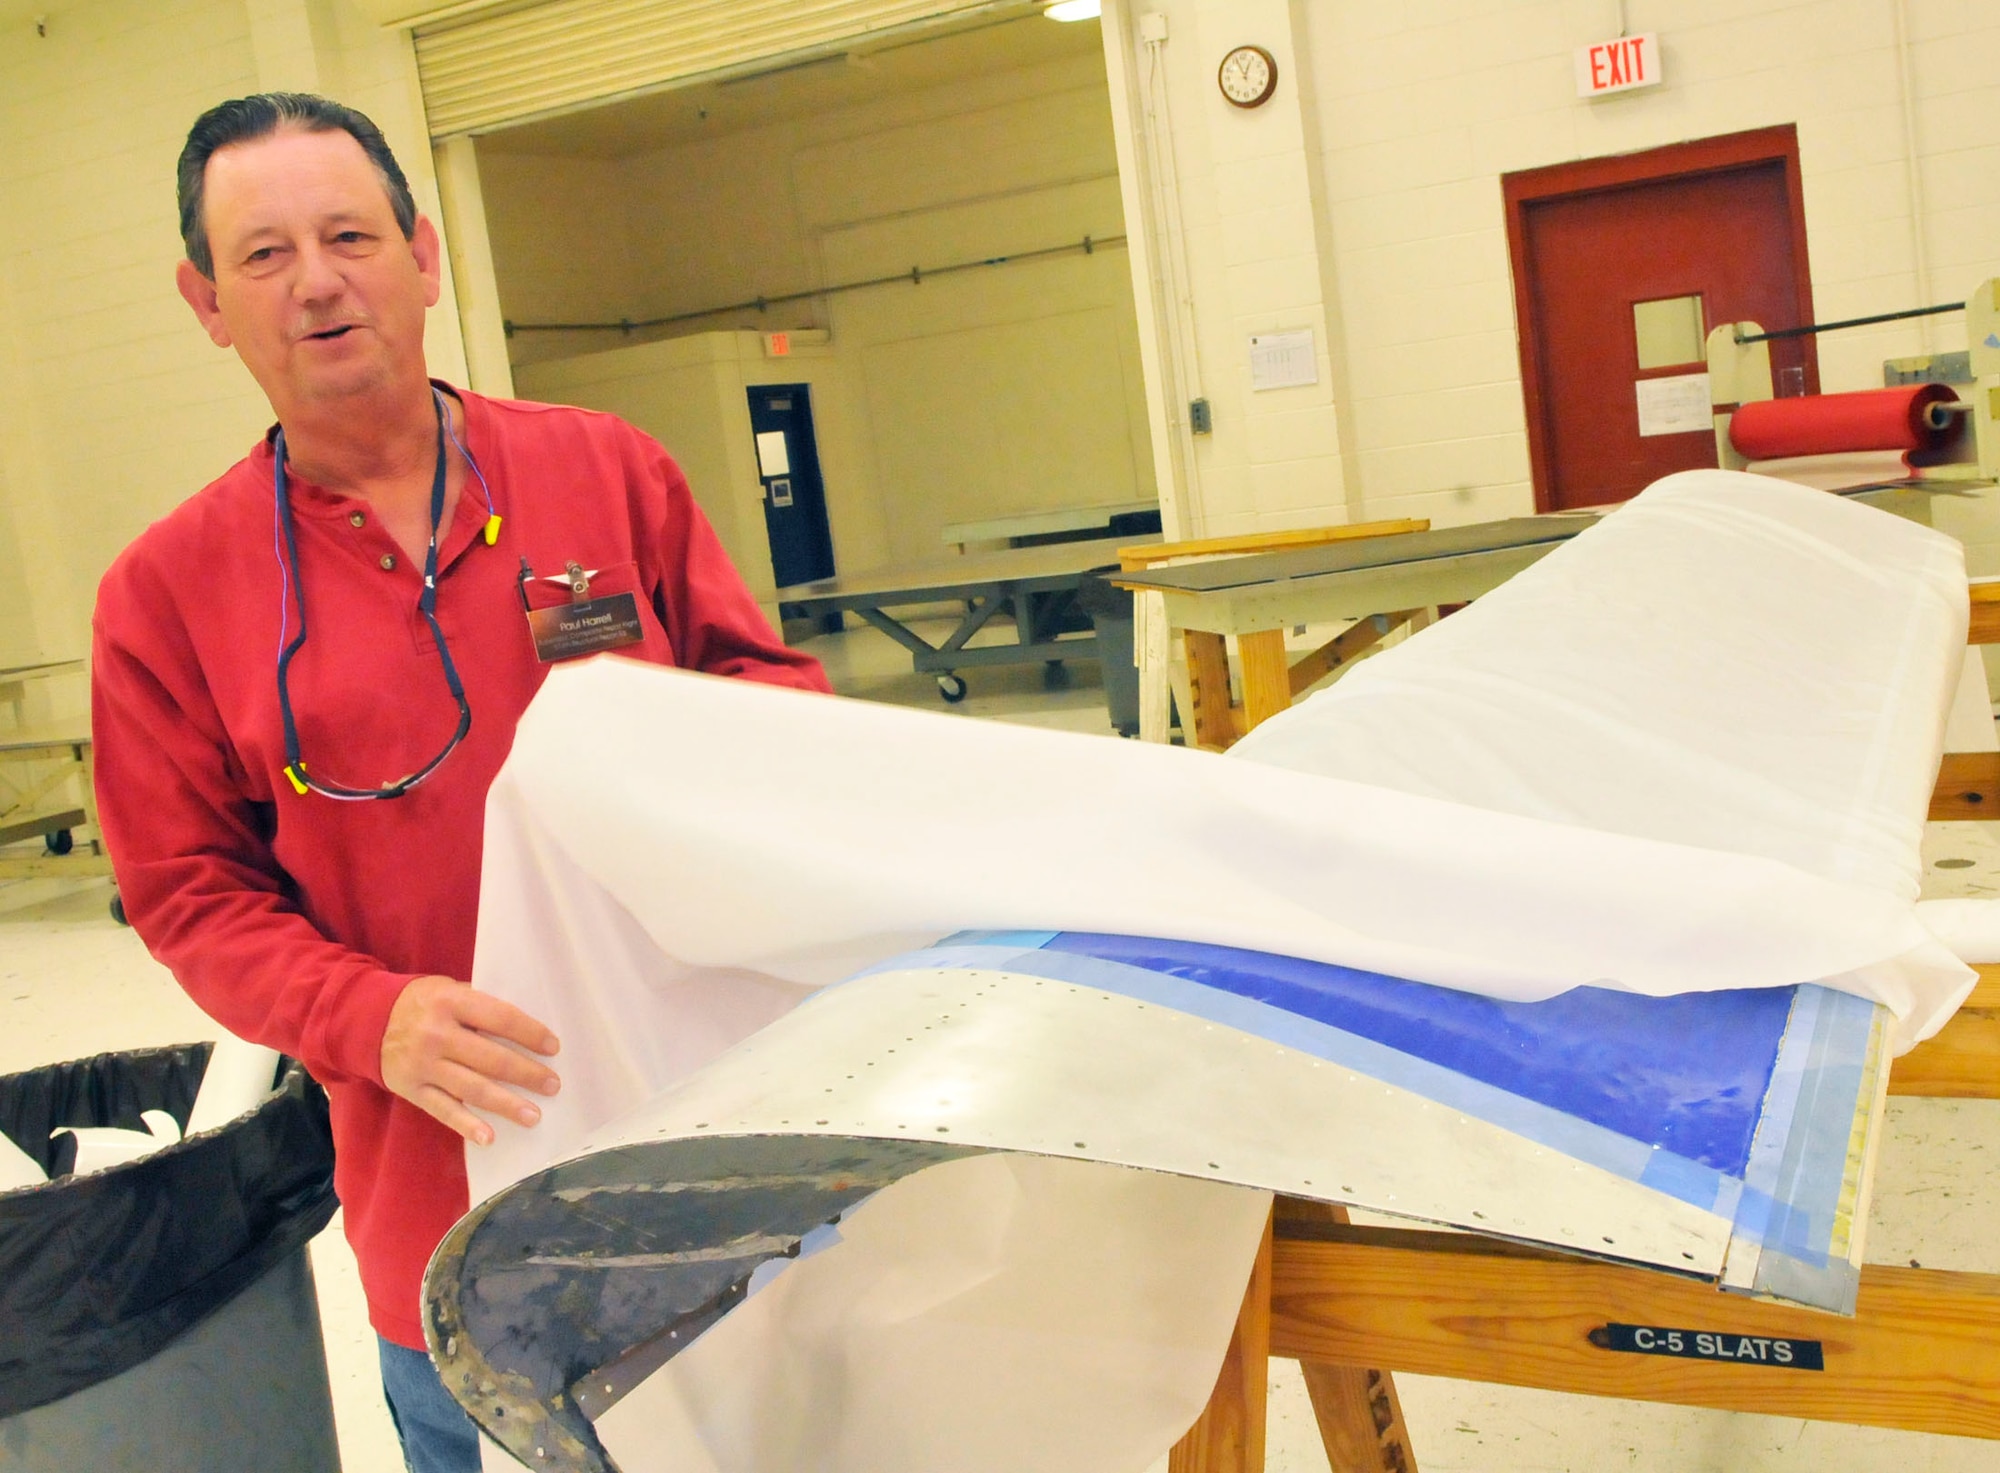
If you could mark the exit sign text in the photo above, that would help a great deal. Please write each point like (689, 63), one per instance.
(1618, 66)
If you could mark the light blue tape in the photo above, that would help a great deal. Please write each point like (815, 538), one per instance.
(1798, 1160)
(1026, 940)
(1664, 1171)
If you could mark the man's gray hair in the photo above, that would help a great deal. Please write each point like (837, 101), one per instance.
(259, 116)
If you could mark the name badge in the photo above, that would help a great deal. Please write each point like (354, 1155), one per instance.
(584, 625)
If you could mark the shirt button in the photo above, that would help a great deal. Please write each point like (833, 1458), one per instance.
(388, 562)
(357, 519)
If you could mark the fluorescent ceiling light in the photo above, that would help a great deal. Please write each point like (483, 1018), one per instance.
(1074, 10)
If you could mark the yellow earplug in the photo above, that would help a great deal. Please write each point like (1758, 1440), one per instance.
(297, 775)
(493, 529)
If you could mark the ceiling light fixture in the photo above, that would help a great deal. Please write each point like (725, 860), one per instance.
(1074, 10)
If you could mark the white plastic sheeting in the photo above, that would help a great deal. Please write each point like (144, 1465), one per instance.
(17, 1167)
(1688, 751)
(238, 1077)
(1970, 927)
(101, 1147)
(1728, 661)
(983, 1316)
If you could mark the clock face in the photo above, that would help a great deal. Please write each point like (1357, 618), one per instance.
(1248, 76)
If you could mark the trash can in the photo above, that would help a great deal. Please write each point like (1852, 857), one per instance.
(160, 1314)
(1110, 610)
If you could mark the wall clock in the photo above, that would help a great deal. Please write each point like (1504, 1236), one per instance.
(1248, 76)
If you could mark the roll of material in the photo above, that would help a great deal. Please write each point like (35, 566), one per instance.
(1822, 424)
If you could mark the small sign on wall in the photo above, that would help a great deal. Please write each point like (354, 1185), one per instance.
(1283, 360)
(1618, 66)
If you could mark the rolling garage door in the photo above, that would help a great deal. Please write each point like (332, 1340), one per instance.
(488, 66)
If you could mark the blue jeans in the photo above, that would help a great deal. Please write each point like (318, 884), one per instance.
(437, 1435)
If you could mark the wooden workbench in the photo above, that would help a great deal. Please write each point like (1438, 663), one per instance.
(1353, 1305)
(1383, 582)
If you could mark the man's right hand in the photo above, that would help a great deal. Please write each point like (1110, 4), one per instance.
(443, 1052)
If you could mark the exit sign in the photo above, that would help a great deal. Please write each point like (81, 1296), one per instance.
(1618, 66)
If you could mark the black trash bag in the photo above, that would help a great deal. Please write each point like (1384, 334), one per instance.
(98, 1273)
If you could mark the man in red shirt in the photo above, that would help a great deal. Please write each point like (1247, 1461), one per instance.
(296, 822)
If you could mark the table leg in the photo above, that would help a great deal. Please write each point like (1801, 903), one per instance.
(1360, 1417)
(1228, 1436)
(1152, 640)
(1267, 679)
(1208, 680)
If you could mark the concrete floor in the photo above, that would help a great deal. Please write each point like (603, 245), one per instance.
(72, 983)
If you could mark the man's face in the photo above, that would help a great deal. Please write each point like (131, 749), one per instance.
(314, 286)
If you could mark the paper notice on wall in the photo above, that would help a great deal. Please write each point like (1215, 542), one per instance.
(771, 457)
(1283, 360)
(1674, 406)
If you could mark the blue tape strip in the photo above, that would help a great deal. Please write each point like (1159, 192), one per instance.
(1798, 1164)
(1766, 1080)
(1658, 1167)
(1589, 1052)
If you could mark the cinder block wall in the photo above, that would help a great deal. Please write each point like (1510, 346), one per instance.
(1411, 114)
(113, 404)
(1423, 108)
(971, 396)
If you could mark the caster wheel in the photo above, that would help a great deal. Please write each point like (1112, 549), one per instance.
(952, 688)
(59, 842)
(118, 911)
(1055, 675)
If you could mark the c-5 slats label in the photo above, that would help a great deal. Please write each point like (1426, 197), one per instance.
(1721, 1345)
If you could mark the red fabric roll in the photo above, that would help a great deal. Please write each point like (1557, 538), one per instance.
(1825, 424)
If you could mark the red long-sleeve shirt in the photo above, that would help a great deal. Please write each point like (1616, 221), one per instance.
(296, 921)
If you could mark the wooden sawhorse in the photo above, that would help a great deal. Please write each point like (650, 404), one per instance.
(1376, 577)
(1208, 718)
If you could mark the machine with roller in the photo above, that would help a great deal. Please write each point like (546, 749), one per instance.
(1934, 424)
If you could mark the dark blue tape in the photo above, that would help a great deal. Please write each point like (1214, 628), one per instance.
(1685, 1073)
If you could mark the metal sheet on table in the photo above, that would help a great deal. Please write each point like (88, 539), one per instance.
(943, 578)
(1631, 1139)
(1360, 554)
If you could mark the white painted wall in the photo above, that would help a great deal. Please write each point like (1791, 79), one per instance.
(1414, 112)
(976, 395)
(1421, 119)
(1366, 206)
(113, 404)
(689, 393)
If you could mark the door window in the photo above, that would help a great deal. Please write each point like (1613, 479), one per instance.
(1670, 331)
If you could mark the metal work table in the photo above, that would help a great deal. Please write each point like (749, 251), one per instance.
(1385, 582)
(33, 806)
(1031, 527)
(1037, 585)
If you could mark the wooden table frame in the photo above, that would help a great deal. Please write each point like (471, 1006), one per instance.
(1378, 600)
(1921, 1353)
(1202, 685)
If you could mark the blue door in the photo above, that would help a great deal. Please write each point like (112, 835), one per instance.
(794, 497)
